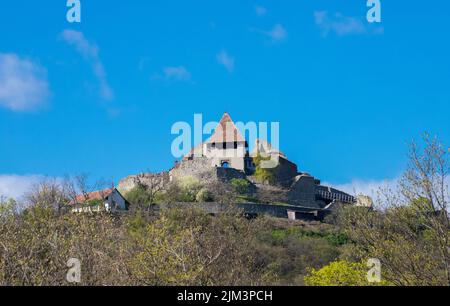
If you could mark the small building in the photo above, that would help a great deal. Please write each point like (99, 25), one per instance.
(107, 200)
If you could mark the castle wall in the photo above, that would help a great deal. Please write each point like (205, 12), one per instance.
(201, 168)
(228, 152)
(234, 162)
(286, 172)
(303, 191)
(205, 170)
(234, 156)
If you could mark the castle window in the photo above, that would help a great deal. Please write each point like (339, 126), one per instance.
(235, 145)
(225, 164)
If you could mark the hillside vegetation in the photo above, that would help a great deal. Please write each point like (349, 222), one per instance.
(408, 234)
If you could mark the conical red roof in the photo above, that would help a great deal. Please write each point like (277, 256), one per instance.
(226, 132)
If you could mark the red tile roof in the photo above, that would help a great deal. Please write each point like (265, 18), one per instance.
(96, 195)
(226, 132)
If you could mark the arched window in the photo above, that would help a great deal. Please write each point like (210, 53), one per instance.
(225, 164)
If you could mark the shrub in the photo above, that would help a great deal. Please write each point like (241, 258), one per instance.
(140, 197)
(241, 186)
(341, 273)
(338, 273)
(263, 175)
(189, 247)
(8, 207)
(204, 196)
(290, 251)
(190, 186)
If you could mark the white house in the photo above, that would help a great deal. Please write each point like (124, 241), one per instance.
(109, 200)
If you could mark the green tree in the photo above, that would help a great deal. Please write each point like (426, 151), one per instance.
(140, 197)
(163, 256)
(241, 186)
(8, 207)
(409, 232)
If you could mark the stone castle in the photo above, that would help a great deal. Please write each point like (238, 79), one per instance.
(225, 156)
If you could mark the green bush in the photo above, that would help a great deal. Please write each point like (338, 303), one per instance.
(8, 207)
(190, 187)
(262, 174)
(335, 239)
(204, 196)
(241, 186)
(338, 273)
(341, 273)
(139, 196)
(291, 256)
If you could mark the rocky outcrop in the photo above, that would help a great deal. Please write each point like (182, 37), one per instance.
(155, 181)
(199, 168)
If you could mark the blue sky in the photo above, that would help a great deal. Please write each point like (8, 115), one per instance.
(101, 96)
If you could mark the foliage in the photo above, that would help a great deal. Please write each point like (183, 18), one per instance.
(222, 193)
(395, 236)
(140, 196)
(8, 207)
(263, 175)
(204, 195)
(241, 186)
(183, 247)
(290, 251)
(37, 244)
(177, 247)
(409, 234)
(190, 186)
(247, 199)
(334, 238)
(93, 203)
(339, 273)
(163, 256)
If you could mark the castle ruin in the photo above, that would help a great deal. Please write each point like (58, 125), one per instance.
(225, 155)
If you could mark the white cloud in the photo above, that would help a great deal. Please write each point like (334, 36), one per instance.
(178, 73)
(260, 10)
(278, 33)
(382, 191)
(16, 186)
(82, 45)
(23, 84)
(174, 73)
(338, 23)
(91, 53)
(371, 188)
(226, 60)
